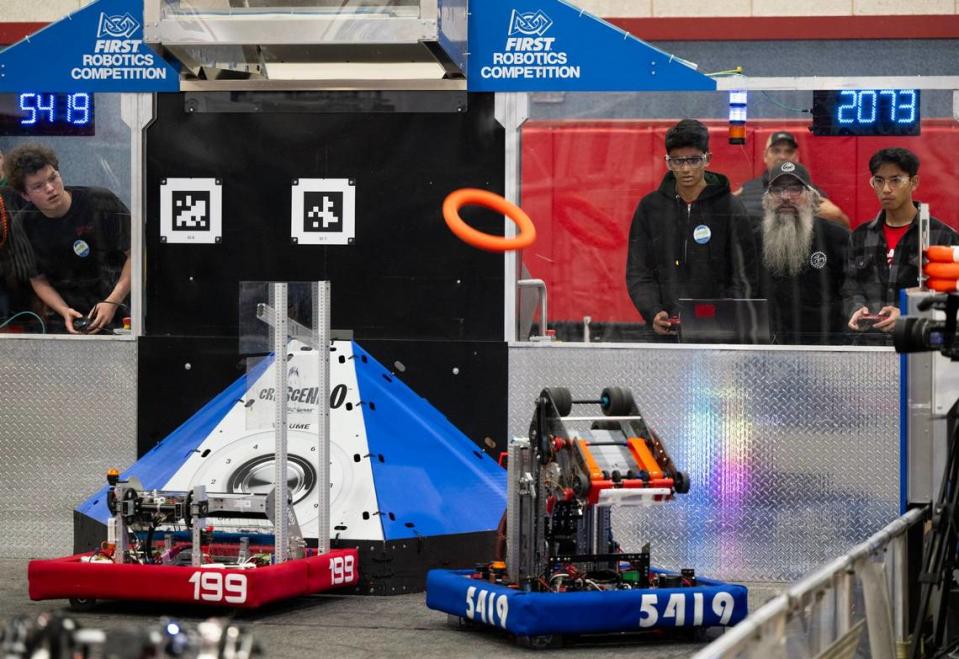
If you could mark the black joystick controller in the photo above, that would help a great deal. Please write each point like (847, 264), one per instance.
(82, 325)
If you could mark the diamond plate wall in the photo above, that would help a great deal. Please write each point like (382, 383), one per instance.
(793, 454)
(68, 413)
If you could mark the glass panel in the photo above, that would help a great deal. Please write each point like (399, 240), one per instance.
(652, 230)
(65, 248)
(240, 7)
(239, 457)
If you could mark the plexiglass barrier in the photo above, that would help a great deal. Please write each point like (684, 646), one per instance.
(241, 7)
(728, 229)
(286, 393)
(68, 241)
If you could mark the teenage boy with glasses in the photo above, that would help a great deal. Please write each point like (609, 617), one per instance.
(883, 254)
(690, 238)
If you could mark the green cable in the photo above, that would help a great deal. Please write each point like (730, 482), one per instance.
(25, 313)
(728, 72)
(782, 105)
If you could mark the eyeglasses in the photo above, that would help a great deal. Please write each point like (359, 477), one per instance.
(895, 182)
(51, 180)
(789, 190)
(693, 162)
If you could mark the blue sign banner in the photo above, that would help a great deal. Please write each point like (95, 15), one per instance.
(550, 45)
(96, 49)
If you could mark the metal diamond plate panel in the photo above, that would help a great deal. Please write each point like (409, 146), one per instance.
(793, 455)
(68, 414)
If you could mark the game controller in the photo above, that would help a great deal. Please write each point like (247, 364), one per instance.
(868, 320)
(82, 325)
(674, 323)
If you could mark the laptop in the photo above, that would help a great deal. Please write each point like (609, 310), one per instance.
(723, 321)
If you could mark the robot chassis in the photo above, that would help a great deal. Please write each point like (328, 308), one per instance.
(218, 569)
(136, 512)
(563, 573)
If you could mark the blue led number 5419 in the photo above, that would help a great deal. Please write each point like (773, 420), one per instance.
(867, 107)
(45, 108)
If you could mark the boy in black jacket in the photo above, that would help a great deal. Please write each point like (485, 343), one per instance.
(690, 238)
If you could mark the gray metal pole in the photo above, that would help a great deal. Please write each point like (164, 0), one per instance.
(321, 342)
(278, 334)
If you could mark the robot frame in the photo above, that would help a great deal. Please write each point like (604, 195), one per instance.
(563, 574)
(206, 567)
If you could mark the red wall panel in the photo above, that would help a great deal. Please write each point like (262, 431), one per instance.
(581, 181)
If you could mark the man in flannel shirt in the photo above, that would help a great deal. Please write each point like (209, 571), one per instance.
(883, 254)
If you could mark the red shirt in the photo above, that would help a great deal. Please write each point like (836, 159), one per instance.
(893, 236)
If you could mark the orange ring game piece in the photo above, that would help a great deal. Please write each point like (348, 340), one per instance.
(942, 270)
(943, 285)
(942, 254)
(467, 196)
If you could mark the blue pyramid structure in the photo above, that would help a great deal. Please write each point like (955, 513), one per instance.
(429, 479)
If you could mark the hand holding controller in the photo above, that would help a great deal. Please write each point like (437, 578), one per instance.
(82, 324)
(674, 323)
(868, 320)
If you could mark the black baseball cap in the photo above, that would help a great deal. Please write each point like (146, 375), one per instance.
(788, 168)
(783, 136)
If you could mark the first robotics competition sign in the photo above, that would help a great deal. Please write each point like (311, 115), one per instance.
(513, 46)
(96, 49)
(551, 45)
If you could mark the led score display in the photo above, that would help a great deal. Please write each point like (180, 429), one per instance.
(47, 114)
(866, 112)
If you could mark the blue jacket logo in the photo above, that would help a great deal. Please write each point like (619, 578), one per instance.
(116, 27)
(81, 248)
(702, 234)
(531, 24)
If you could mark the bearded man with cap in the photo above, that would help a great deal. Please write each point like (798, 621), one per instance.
(783, 147)
(802, 260)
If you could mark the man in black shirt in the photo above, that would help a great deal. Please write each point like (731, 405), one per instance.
(802, 263)
(783, 147)
(80, 238)
(690, 238)
(16, 257)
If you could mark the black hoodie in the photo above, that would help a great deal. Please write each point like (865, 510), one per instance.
(700, 250)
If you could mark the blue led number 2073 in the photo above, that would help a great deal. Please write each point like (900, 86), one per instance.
(866, 112)
(866, 107)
